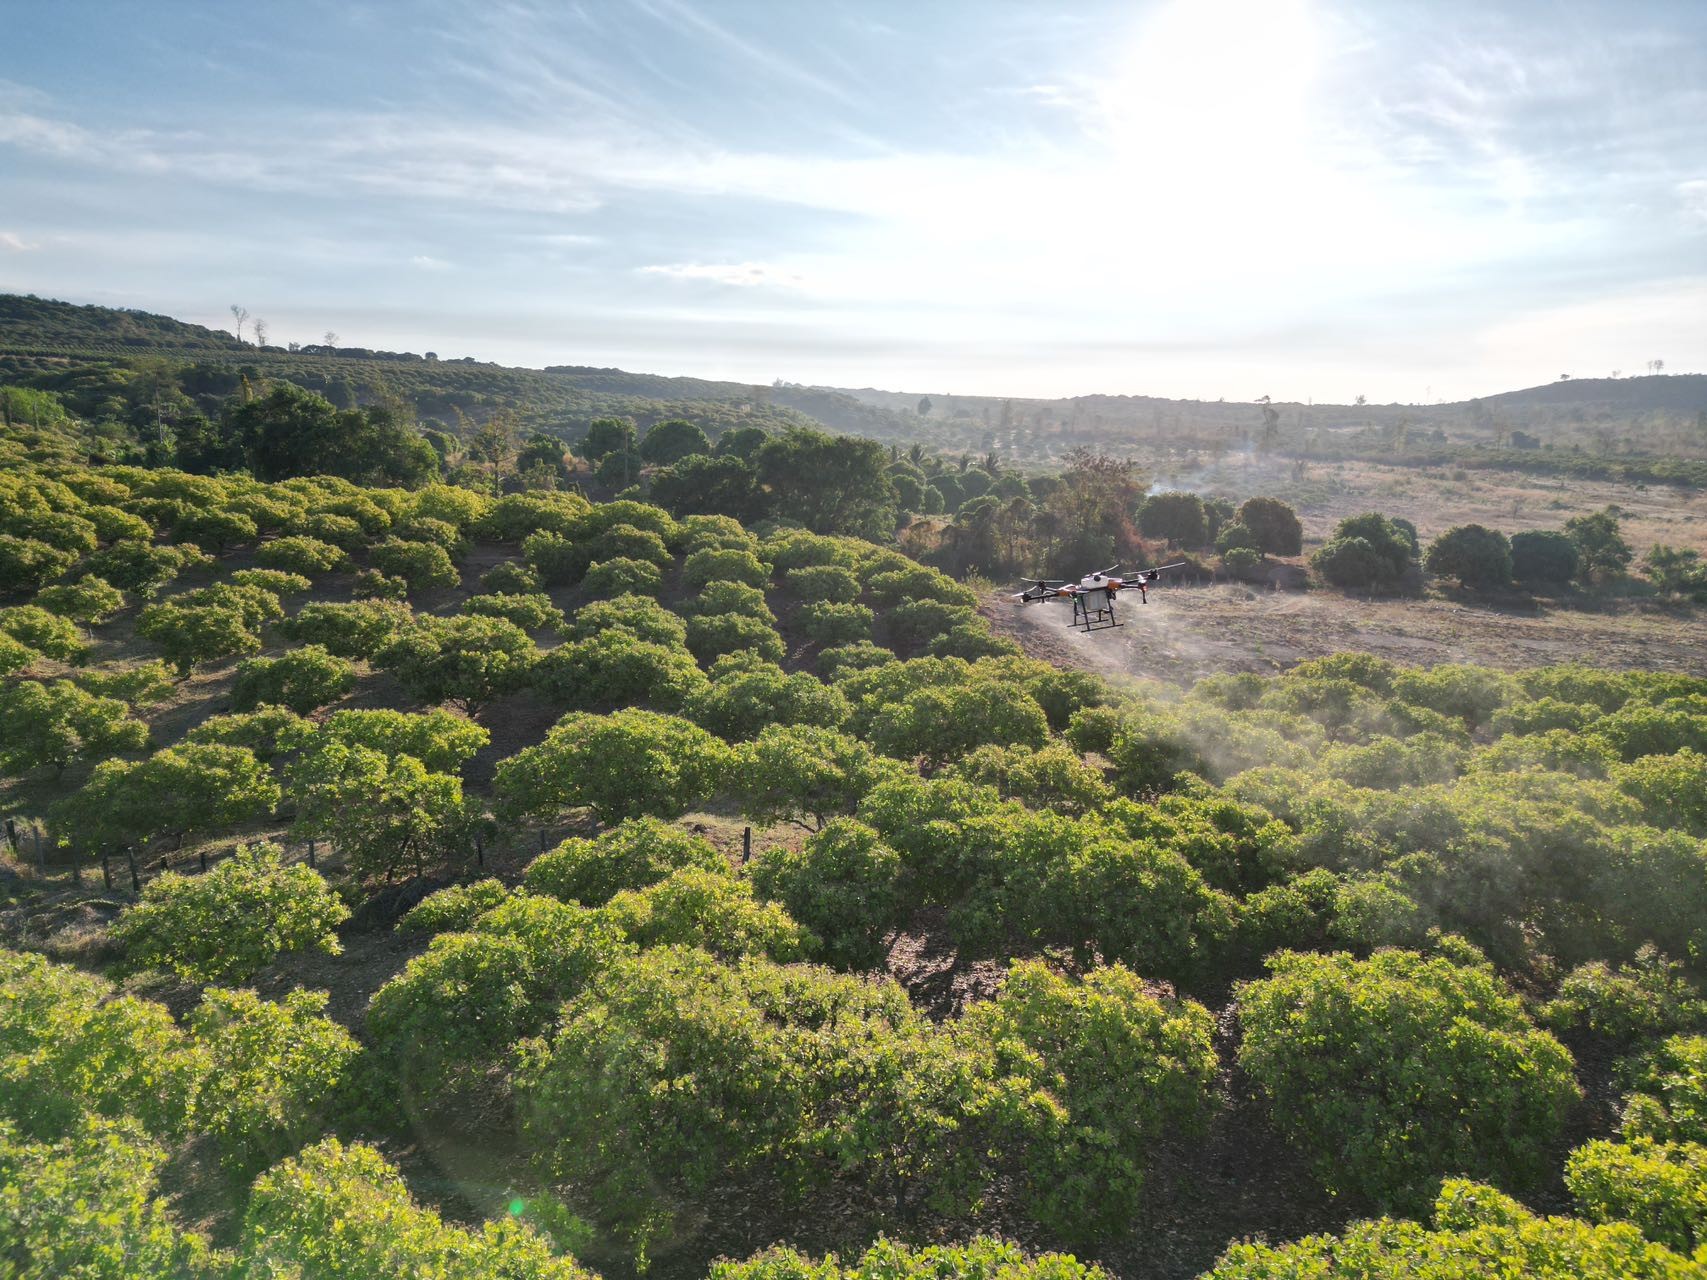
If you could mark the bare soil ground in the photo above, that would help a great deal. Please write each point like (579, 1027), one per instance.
(1186, 633)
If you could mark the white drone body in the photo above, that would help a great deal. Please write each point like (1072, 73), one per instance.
(1093, 595)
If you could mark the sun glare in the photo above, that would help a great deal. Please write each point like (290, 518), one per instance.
(1216, 90)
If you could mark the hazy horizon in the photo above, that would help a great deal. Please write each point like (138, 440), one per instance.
(1193, 199)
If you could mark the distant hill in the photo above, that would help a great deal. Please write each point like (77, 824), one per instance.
(1655, 393)
(28, 322)
(1645, 415)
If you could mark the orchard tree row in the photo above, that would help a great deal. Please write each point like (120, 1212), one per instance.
(1423, 902)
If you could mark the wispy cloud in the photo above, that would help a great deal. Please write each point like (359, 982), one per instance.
(1693, 195)
(428, 263)
(744, 275)
(12, 242)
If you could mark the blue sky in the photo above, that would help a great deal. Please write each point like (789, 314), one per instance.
(1297, 198)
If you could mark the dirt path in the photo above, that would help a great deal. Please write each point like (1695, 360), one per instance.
(1186, 633)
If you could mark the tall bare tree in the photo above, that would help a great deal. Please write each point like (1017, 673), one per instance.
(260, 327)
(239, 314)
(331, 339)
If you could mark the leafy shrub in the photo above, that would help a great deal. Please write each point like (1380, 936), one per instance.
(620, 575)
(1672, 789)
(46, 633)
(440, 533)
(72, 1048)
(215, 529)
(192, 635)
(1669, 1098)
(304, 680)
(1543, 558)
(228, 923)
(834, 584)
(1476, 1228)
(460, 507)
(1471, 694)
(615, 668)
(529, 612)
(844, 885)
(1052, 778)
(745, 1035)
(256, 606)
(1480, 558)
(1661, 1187)
(510, 578)
(88, 600)
(629, 764)
(729, 597)
(454, 908)
(173, 792)
(267, 732)
(276, 581)
(805, 775)
(425, 566)
(918, 622)
(371, 584)
(841, 660)
(742, 697)
(712, 910)
(142, 684)
(342, 532)
(1392, 1070)
(1274, 526)
(381, 812)
(339, 1212)
(892, 588)
(981, 1258)
(643, 618)
(1625, 1003)
(1129, 1069)
(516, 515)
(468, 661)
(713, 635)
(943, 722)
(359, 629)
(274, 1071)
(26, 563)
(55, 724)
(1240, 562)
(455, 1011)
(438, 738)
(308, 556)
(833, 624)
(83, 1206)
(632, 855)
(707, 566)
(972, 640)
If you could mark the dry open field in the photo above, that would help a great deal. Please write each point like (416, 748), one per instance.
(1185, 633)
(1436, 499)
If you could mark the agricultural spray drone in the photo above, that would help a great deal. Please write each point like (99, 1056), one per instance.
(1093, 595)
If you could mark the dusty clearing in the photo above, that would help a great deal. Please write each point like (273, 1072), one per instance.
(1437, 498)
(1186, 633)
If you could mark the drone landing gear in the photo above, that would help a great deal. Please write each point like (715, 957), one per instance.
(1101, 618)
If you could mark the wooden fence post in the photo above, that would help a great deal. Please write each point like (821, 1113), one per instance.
(106, 872)
(479, 850)
(12, 835)
(746, 844)
(311, 853)
(135, 880)
(201, 854)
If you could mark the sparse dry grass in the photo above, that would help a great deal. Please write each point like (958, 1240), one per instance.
(1185, 633)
